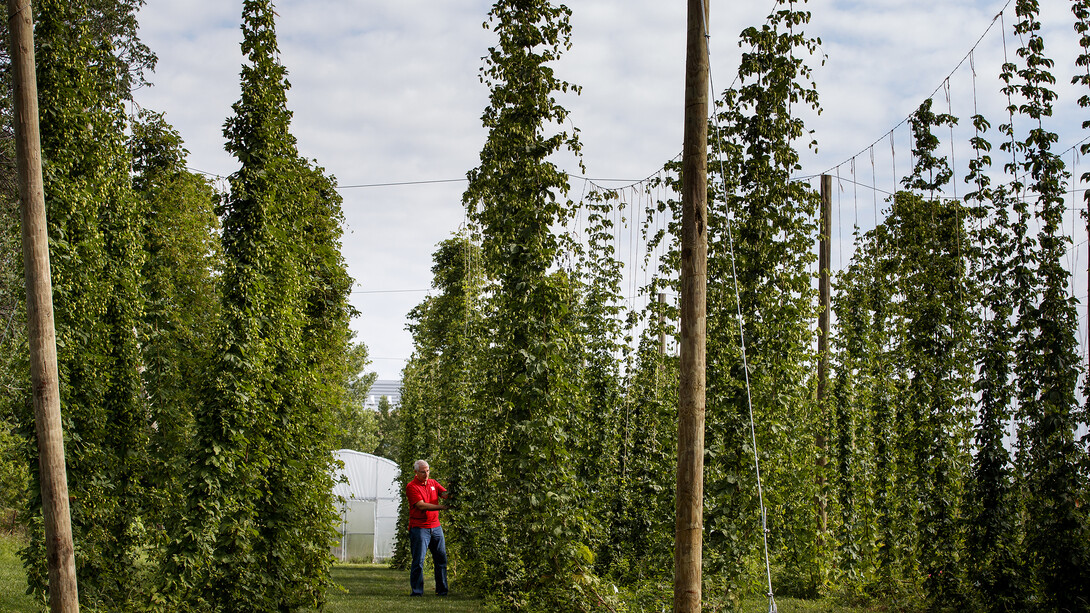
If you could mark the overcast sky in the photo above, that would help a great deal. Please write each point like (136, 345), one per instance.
(388, 92)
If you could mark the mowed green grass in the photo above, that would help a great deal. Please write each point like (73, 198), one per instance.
(375, 587)
(366, 587)
(13, 598)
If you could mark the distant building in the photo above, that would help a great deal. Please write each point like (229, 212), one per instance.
(391, 388)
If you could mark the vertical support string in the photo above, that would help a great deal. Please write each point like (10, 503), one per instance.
(855, 192)
(953, 163)
(874, 185)
(893, 161)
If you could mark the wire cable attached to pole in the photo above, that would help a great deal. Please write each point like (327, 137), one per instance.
(741, 331)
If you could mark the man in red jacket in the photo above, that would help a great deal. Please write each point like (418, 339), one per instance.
(425, 533)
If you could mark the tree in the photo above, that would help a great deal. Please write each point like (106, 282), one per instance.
(360, 429)
(389, 427)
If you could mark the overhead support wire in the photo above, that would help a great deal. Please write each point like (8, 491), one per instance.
(991, 24)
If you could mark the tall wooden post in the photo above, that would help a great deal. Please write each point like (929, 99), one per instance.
(824, 297)
(63, 595)
(689, 525)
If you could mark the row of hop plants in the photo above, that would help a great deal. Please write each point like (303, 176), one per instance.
(549, 412)
(202, 336)
(952, 324)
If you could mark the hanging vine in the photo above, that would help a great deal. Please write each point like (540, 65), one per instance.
(255, 532)
(930, 251)
(436, 415)
(531, 385)
(95, 256)
(1047, 361)
(993, 537)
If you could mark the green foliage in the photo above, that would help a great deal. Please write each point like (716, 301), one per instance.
(1047, 366)
(857, 393)
(436, 418)
(208, 372)
(896, 389)
(360, 427)
(937, 321)
(181, 304)
(643, 524)
(14, 476)
(549, 397)
(387, 428)
(929, 173)
(96, 255)
(1081, 11)
(907, 345)
(601, 453)
(760, 232)
(530, 390)
(259, 515)
(14, 379)
(993, 532)
(907, 305)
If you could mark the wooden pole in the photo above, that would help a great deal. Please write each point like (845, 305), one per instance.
(689, 524)
(824, 297)
(63, 595)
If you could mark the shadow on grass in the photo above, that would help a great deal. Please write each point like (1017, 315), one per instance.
(377, 587)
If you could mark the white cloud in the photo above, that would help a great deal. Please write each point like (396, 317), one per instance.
(389, 91)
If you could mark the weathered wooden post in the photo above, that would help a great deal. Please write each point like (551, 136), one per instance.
(63, 595)
(689, 525)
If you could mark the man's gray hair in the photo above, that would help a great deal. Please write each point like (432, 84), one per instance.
(418, 463)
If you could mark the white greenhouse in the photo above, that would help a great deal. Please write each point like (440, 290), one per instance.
(368, 497)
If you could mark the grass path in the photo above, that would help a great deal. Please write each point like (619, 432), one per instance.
(377, 588)
(367, 588)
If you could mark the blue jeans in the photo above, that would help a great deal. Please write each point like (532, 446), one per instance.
(423, 540)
